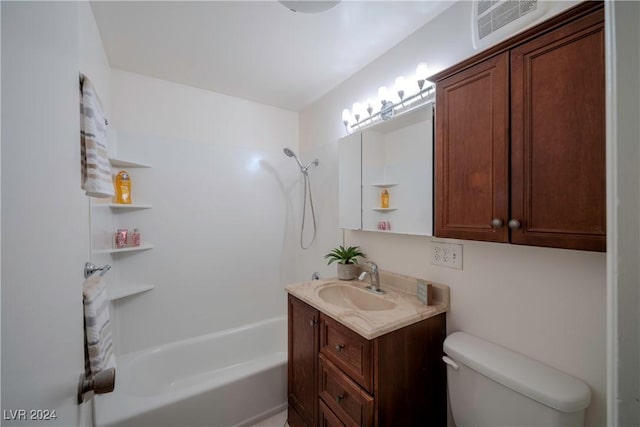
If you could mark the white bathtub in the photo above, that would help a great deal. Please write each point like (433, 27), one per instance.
(230, 378)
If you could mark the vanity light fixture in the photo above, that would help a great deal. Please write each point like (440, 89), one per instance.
(386, 108)
(356, 110)
(346, 115)
(370, 103)
(399, 87)
(422, 71)
(408, 100)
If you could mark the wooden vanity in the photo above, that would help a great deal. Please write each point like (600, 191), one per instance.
(337, 377)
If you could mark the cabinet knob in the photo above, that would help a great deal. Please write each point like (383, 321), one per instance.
(339, 398)
(514, 224)
(496, 223)
(313, 322)
(339, 347)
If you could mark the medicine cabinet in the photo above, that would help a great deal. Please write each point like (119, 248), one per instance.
(396, 156)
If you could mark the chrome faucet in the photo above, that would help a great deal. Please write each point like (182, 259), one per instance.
(374, 278)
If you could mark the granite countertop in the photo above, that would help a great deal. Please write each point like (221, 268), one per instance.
(401, 290)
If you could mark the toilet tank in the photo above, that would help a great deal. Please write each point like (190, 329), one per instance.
(492, 386)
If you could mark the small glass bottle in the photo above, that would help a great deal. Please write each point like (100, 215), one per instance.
(384, 199)
(120, 238)
(135, 237)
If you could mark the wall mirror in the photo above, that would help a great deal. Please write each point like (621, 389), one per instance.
(394, 156)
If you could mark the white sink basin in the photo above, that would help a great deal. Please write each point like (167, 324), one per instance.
(351, 297)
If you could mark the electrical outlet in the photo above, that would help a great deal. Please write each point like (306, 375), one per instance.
(446, 254)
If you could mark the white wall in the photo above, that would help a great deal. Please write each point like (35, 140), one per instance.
(549, 304)
(623, 190)
(93, 61)
(225, 210)
(44, 212)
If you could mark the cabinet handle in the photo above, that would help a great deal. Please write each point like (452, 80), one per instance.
(339, 347)
(339, 398)
(514, 224)
(496, 223)
(313, 322)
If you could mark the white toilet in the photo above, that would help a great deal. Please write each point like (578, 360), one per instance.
(495, 387)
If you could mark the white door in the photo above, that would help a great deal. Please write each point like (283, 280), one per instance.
(45, 230)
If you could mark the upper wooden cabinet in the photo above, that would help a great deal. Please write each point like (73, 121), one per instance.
(472, 149)
(520, 138)
(558, 138)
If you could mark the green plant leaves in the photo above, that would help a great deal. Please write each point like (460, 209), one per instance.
(342, 255)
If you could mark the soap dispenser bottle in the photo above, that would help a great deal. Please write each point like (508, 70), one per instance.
(384, 199)
(123, 188)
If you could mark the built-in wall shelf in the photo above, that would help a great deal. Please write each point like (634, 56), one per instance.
(108, 219)
(126, 291)
(129, 206)
(120, 163)
(384, 184)
(384, 209)
(129, 249)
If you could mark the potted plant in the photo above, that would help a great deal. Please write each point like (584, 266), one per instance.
(347, 259)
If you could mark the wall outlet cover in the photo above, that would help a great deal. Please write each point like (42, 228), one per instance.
(446, 254)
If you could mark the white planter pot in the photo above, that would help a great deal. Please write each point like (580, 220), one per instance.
(347, 271)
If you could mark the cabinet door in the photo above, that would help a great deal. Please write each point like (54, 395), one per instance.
(349, 182)
(558, 138)
(303, 363)
(472, 130)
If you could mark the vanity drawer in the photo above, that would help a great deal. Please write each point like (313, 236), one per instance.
(328, 418)
(351, 404)
(348, 350)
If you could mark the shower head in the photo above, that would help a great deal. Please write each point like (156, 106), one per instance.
(303, 169)
(290, 153)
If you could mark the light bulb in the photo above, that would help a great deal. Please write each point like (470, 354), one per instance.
(346, 115)
(371, 105)
(399, 87)
(356, 110)
(383, 94)
(422, 71)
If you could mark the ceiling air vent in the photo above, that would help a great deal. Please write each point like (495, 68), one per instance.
(495, 20)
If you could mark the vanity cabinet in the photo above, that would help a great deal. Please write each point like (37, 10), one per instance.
(520, 138)
(397, 379)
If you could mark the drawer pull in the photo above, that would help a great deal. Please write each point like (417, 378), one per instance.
(339, 398)
(339, 347)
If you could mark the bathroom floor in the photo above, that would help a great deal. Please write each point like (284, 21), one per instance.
(278, 420)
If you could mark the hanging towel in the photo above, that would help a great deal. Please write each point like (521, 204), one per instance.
(96, 169)
(97, 324)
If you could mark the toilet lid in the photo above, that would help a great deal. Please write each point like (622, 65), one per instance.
(529, 377)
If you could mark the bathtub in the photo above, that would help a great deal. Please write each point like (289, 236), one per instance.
(234, 377)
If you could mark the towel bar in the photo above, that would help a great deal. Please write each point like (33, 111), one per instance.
(90, 268)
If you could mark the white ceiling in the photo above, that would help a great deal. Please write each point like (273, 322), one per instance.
(256, 50)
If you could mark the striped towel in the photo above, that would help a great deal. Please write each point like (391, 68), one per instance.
(97, 325)
(96, 169)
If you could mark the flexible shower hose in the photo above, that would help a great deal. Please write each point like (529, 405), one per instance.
(307, 184)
